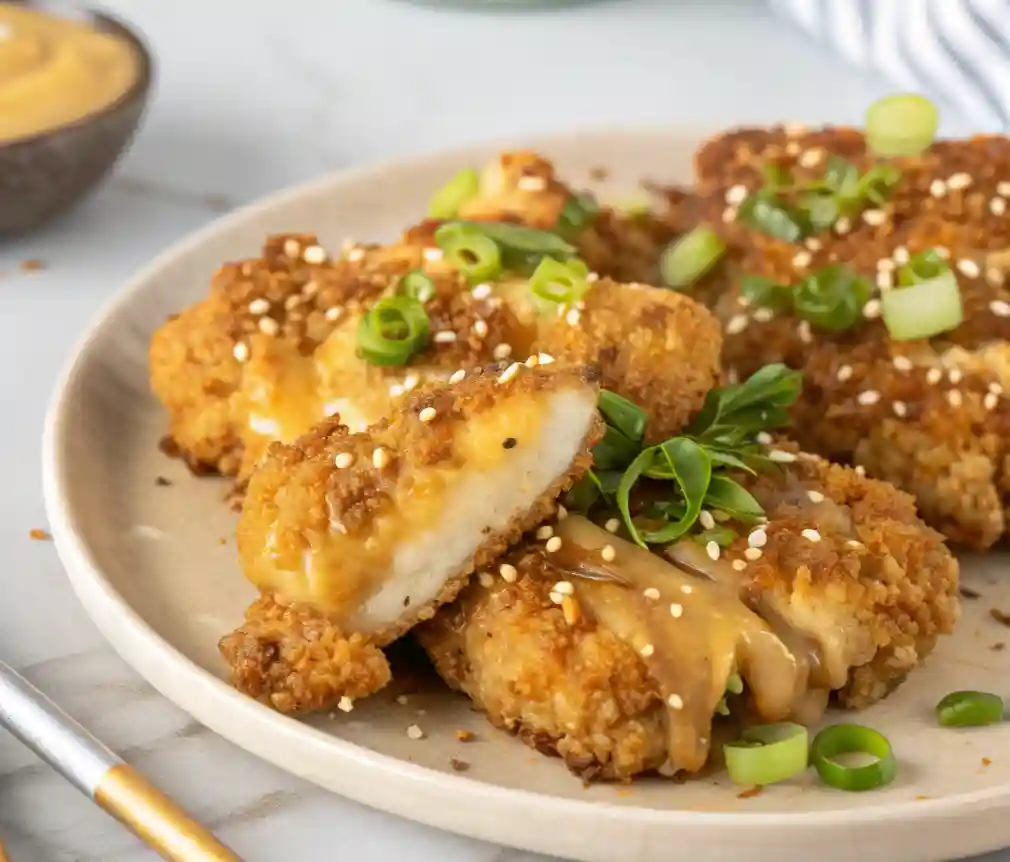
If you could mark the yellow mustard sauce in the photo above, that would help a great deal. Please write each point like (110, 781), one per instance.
(54, 71)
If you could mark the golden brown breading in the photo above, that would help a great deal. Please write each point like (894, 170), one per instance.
(932, 416)
(843, 563)
(295, 660)
(349, 522)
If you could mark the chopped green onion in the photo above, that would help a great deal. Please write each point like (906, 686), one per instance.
(517, 238)
(417, 285)
(766, 293)
(877, 184)
(853, 739)
(577, 214)
(687, 259)
(832, 298)
(841, 177)
(445, 203)
(767, 214)
(969, 709)
(622, 414)
(903, 125)
(922, 266)
(776, 176)
(472, 251)
(556, 282)
(767, 754)
(821, 210)
(393, 330)
(923, 310)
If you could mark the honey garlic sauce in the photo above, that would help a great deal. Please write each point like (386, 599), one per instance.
(693, 634)
(55, 71)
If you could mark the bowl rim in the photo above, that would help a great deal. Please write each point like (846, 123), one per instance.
(104, 22)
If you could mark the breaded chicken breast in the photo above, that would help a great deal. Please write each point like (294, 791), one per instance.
(366, 533)
(929, 415)
(276, 346)
(617, 659)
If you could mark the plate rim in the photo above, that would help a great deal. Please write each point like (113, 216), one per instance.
(141, 647)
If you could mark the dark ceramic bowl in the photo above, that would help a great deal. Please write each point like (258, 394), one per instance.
(45, 174)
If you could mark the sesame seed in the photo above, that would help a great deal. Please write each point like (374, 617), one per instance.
(802, 259)
(410, 382)
(758, 538)
(729, 215)
(612, 525)
(562, 512)
(545, 358)
(860, 470)
(291, 247)
(942, 251)
(852, 543)
(844, 373)
(402, 699)
(675, 701)
(509, 373)
(556, 598)
(713, 550)
(502, 351)
(433, 255)
(933, 376)
(259, 306)
(686, 589)
(415, 732)
(355, 254)
(811, 158)
(995, 388)
(545, 532)
(593, 277)
(804, 332)
(872, 309)
(781, 457)
(900, 409)
(955, 375)
(314, 254)
(793, 148)
(815, 496)
(737, 324)
(345, 704)
(481, 291)
(959, 180)
(334, 313)
(736, 195)
(1000, 307)
(647, 650)
(446, 336)
(707, 521)
(954, 398)
(608, 553)
(739, 565)
(676, 610)
(380, 458)
(563, 588)
(900, 255)
(240, 351)
(763, 315)
(532, 184)
(573, 317)
(938, 188)
(868, 397)
(343, 460)
(843, 226)
(968, 268)
(293, 301)
(990, 401)
(457, 376)
(508, 572)
(874, 217)
(310, 289)
(396, 390)
(885, 279)
(480, 328)
(764, 438)
(486, 581)
(902, 363)
(553, 544)
(997, 206)
(427, 414)
(268, 326)
(1003, 188)
(886, 264)
(753, 553)
(813, 243)
(651, 593)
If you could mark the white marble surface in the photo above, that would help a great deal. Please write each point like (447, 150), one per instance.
(252, 96)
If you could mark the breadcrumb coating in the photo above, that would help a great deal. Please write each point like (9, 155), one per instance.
(930, 416)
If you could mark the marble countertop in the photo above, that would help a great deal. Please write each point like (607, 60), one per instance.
(247, 103)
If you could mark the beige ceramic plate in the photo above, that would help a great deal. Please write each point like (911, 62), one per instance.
(150, 566)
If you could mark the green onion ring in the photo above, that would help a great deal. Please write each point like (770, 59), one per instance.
(969, 709)
(903, 125)
(474, 253)
(393, 330)
(832, 298)
(445, 203)
(767, 754)
(923, 310)
(417, 285)
(853, 738)
(687, 259)
(555, 283)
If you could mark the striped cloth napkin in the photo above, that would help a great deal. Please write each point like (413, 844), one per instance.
(955, 50)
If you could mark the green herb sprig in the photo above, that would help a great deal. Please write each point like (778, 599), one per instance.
(692, 471)
(831, 298)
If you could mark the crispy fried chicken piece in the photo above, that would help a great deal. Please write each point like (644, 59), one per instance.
(930, 416)
(273, 349)
(616, 660)
(374, 530)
